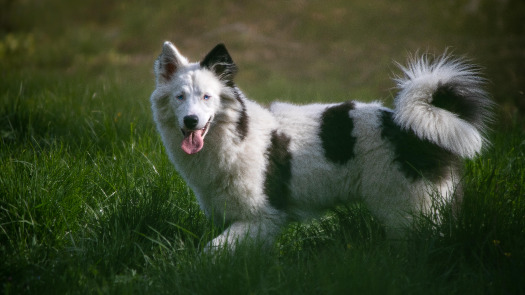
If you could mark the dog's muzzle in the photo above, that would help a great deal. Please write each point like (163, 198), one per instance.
(193, 140)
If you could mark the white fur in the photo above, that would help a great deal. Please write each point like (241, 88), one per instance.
(228, 174)
(413, 109)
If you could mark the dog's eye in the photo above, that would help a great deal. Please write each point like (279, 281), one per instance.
(180, 97)
(206, 96)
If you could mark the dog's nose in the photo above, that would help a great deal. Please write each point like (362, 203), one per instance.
(191, 121)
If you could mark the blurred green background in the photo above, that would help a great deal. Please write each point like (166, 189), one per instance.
(294, 50)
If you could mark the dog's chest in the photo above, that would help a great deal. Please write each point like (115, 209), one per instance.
(226, 181)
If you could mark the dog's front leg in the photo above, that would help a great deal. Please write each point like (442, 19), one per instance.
(262, 231)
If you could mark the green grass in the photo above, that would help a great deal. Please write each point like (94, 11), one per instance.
(90, 204)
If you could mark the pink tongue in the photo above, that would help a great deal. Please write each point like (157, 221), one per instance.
(192, 142)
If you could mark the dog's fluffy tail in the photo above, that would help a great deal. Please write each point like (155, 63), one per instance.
(442, 100)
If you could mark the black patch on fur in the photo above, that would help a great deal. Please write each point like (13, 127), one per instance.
(468, 106)
(219, 61)
(416, 157)
(278, 171)
(336, 133)
(242, 123)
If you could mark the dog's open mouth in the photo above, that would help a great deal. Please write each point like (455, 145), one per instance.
(194, 139)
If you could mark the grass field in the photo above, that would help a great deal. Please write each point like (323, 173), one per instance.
(89, 202)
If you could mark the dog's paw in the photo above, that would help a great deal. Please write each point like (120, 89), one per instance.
(209, 248)
(216, 245)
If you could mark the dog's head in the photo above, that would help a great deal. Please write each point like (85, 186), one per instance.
(192, 91)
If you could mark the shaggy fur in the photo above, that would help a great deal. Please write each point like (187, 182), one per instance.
(260, 168)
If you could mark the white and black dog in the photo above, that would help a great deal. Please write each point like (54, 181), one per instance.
(257, 168)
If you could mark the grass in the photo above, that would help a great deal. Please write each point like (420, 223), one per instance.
(89, 202)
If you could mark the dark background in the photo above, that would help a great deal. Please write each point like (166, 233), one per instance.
(294, 50)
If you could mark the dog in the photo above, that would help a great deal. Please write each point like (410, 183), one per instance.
(257, 168)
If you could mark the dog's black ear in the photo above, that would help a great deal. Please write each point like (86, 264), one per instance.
(219, 61)
(169, 61)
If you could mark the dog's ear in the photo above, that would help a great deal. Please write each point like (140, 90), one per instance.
(219, 61)
(169, 61)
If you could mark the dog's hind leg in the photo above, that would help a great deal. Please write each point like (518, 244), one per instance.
(393, 212)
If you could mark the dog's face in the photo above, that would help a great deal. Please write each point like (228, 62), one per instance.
(191, 92)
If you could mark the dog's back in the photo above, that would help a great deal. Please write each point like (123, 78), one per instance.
(394, 160)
